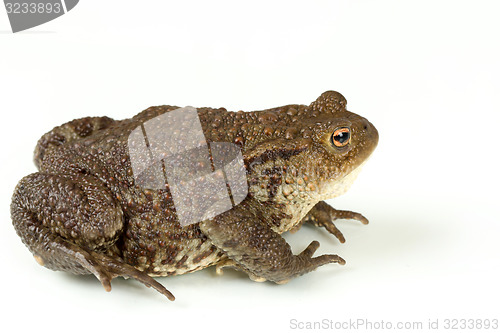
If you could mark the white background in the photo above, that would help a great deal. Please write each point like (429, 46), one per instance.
(426, 73)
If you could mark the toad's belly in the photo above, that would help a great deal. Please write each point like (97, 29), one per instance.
(177, 259)
(160, 248)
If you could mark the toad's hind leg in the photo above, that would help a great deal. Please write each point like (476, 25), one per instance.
(70, 131)
(71, 224)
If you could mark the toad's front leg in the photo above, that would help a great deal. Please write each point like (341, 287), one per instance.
(255, 248)
(323, 215)
(70, 223)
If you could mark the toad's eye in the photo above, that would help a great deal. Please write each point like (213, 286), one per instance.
(341, 137)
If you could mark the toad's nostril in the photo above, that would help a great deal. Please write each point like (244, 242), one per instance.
(365, 125)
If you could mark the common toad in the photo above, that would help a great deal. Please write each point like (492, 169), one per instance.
(83, 212)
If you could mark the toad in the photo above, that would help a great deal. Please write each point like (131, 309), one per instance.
(84, 212)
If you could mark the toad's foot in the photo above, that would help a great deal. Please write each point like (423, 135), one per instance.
(307, 256)
(108, 268)
(323, 215)
(223, 264)
(104, 267)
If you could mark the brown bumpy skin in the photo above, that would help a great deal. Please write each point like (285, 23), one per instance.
(84, 213)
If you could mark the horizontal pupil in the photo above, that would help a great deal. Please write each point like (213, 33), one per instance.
(342, 137)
